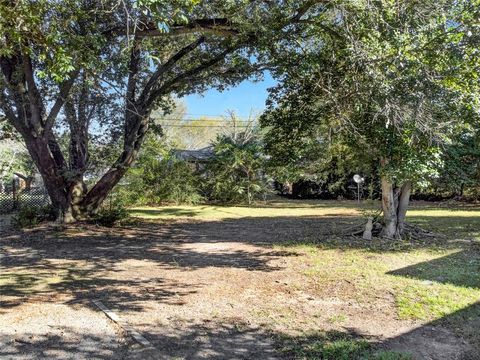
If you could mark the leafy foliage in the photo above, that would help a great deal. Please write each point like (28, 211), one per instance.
(375, 83)
(110, 216)
(88, 69)
(461, 171)
(32, 216)
(236, 173)
(385, 79)
(159, 177)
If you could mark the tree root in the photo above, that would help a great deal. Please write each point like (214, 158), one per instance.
(410, 231)
(416, 232)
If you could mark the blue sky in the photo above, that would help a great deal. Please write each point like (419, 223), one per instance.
(243, 98)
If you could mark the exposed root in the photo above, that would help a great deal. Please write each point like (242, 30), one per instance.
(410, 231)
(416, 232)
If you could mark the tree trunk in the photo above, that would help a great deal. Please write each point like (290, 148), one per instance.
(135, 135)
(54, 182)
(403, 201)
(394, 206)
(389, 210)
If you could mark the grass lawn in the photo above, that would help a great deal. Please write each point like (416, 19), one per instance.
(271, 281)
(267, 209)
(436, 282)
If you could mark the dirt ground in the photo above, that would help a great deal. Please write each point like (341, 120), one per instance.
(194, 289)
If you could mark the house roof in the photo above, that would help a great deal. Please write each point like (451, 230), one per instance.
(199, 155)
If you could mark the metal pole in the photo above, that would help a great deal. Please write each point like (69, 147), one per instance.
(358, 193)
(14, 194)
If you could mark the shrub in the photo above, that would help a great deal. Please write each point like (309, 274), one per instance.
(235, 175)
(110, 216)
(31, 216)
(159, 177)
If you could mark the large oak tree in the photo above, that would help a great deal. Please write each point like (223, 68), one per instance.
(386, 79)
(84, 66)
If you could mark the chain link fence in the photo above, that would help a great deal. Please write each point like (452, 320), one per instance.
(14, 196)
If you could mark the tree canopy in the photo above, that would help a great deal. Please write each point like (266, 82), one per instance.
(389, 80)
(103, 67)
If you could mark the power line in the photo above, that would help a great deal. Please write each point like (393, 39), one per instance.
(226, 121)
(194, 120)
(200, 126)
(214, 115)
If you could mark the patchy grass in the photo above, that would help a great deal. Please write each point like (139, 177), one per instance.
(274, 267)
(335, 345)
(271, 209)
(428, 283)
(337, 319)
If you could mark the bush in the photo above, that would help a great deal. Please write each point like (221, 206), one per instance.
(236, 174)
(110, 216)
(159, 177)
(32, 216)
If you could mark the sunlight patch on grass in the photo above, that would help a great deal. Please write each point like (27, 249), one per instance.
(441, 213)
(25, 281)
(208, 212)
(334, 345)
(426, 284)
(29, 282)
(428, 302)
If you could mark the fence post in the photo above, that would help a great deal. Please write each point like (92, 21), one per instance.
(14, 191)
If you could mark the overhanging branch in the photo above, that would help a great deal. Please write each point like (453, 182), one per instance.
(162, 69)
(187, 74)
(215, 26)
(61, 98)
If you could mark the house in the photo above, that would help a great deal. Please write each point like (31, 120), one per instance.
(197, 158)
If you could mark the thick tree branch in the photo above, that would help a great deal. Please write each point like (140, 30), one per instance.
(35, 99)
(162, 69)
(215, 26)
(131, 110)
(187, 74)
(5, 107)
(23, 177)
(15, 85)
(56, 152)
(65, 88)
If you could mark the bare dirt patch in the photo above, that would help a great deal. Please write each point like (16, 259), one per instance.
(194, 289)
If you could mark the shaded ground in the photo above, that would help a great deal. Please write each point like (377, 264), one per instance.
(225, 283)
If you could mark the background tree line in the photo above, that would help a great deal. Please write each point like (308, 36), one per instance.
(388, 88)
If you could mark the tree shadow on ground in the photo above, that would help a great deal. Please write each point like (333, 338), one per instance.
(167, 211)
(234, 340)
(67, 345)
(459, 269)
(81, 263)
(454, 336)
(436, 340)
(78, 262)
